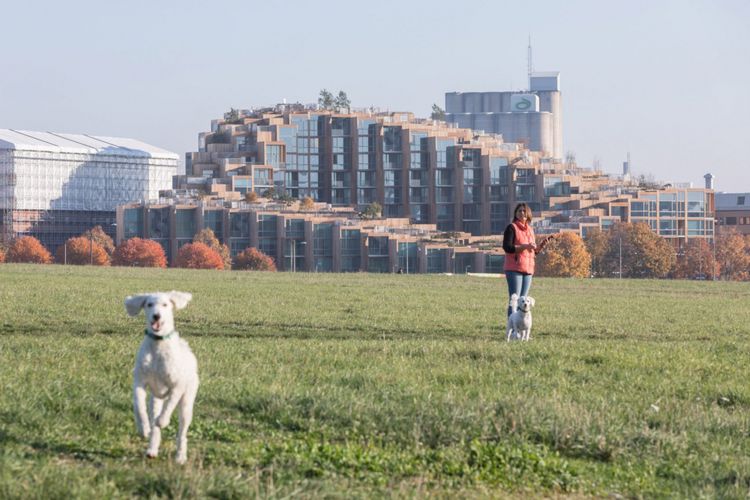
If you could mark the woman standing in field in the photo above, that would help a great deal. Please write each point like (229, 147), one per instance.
(520, 249)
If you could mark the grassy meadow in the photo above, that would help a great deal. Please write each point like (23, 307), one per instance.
(358, 385)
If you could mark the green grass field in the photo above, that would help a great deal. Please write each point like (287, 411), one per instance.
(379, 385)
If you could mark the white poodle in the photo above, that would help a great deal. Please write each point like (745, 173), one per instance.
(167, 367)
(519, 321)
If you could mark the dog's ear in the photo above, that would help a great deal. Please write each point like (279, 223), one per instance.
(134, 304)
(514, 297)
(180, 299)
(532, 301)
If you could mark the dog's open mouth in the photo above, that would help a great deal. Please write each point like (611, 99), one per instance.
(156, 326)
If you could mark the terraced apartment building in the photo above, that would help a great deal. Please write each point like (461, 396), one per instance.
(440, 187)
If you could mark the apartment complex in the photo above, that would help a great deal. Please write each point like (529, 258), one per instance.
(323, 239)
(56, 186)
(733, 211)
(423, 170)
(447, 194)
(532, 117)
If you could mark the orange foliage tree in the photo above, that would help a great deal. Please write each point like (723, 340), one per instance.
(199, 256)
(29, 250)
(645, 254)
(252, 259)
(696, 261)
(208, 238)
(2, 255)
(565, 256)
(597, 244)
(732, 255)
(137, 252)
(99, 236)
(82, 251)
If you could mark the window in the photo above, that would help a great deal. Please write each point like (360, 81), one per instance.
(185, 220)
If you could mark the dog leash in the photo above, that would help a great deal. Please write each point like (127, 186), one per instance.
(157, 337)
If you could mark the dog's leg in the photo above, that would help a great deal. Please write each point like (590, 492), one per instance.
(169, 406)
(186, 416)
(155, 406)
(154, 442)
(139, 409)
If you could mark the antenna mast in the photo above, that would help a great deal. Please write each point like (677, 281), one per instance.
(530, 65)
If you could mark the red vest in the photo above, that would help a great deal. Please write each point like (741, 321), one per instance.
(523, 260)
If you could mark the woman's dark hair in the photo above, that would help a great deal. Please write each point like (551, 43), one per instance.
(528, 212)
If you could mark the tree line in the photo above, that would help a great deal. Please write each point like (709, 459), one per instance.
(96, 248)
(633, 250)
(624, 250)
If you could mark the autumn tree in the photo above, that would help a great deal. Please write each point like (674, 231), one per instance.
(696, 261)
(82, 251)
(307, 204)
(208, 238)
(252, 259)
(372, 211)
(2, 254)
(564, 256)
(99, 236)
(732, 255)
(137, 252)
(251, 197)
(28, 249)
(597, 244)
(199, 256)
(644, 253)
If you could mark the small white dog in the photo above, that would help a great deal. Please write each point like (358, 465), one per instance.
(167, 367)
(519, 321)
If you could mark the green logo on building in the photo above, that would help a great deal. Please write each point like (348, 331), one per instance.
(523, 104)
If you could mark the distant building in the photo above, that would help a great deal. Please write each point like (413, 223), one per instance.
(324, 239)
(428, 178)
(422, 170)
(733, 211)
(55, 186)
(532, 117)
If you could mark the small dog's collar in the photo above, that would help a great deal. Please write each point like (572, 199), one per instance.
(157, 337)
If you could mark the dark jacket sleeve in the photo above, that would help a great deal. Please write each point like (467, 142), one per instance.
(509, 239)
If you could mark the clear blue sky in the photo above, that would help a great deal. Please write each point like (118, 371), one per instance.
(668, 81)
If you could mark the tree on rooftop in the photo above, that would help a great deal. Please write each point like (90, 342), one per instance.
(326, 100)
(438, 113)
(342, 102)
(251, 197)
(372, 211)
(307, 204)
(232, 115)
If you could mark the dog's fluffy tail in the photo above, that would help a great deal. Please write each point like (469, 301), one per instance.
(513, 303)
